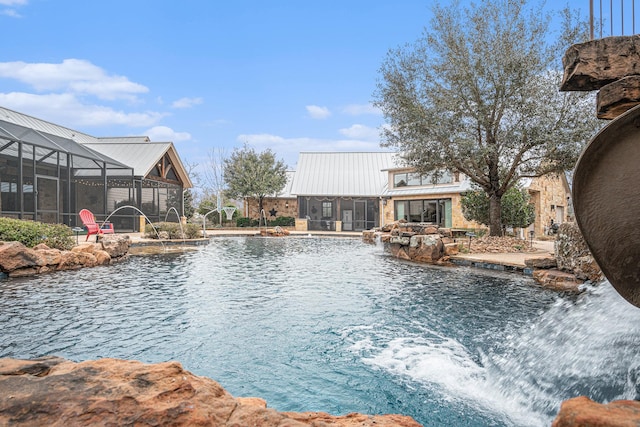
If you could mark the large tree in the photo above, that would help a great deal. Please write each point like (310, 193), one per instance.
(478, 94)
(255, 175)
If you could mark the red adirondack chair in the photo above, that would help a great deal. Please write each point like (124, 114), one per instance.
(93, 227)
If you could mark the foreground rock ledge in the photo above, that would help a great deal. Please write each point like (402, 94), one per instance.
(56, 392)
(584, 412)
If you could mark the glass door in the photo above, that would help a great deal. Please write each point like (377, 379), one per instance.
(47, 199)
(360, 215)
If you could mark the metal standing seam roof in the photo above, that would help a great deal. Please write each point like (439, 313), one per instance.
(18, 132)
(44, 126)
(141, 157)
(342, 174)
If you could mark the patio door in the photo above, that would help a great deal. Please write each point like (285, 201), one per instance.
(347, 220)
(360, 215)
(47, 199)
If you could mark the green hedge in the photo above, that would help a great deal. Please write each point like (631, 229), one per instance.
(282, 221)
(174, 230)
(246, 222)
(32, 233)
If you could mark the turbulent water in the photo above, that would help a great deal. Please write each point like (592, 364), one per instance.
(335, 325)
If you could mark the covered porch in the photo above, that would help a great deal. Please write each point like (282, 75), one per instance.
(339, 213)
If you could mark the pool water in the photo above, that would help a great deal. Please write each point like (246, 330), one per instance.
(336, 325)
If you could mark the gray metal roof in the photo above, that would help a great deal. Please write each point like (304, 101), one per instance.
(44, 126)
(342, 174)
(142, 157)
(124, 139)
(16, 132)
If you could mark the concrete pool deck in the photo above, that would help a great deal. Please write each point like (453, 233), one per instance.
(503, 261)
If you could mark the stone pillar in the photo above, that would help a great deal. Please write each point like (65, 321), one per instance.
(183, 219)
(302, 224)
(338, 226)
(142, 224)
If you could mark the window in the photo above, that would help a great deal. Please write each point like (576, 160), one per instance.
(327, 211)
(400, 180)
(429, 211)
(405, 179)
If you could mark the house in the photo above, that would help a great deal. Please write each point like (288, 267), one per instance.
(340, 191)
(360, 190)
(49, 173)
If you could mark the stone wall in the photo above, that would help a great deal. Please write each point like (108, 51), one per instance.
(17, 260)
(573, 255)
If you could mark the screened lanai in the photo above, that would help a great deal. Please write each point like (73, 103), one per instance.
(49, 178)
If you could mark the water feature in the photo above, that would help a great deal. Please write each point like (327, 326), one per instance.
(338, 326)
(164, 249)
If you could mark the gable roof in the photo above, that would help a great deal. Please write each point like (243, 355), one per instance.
(136, 152)
(143, 157)
(342, 174)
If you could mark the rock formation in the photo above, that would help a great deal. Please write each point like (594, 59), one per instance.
(584, 412)
(17, 260)
(573, 255)
(110, 392)
(415, 241)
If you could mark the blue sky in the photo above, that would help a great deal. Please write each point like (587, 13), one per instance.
(287, 75)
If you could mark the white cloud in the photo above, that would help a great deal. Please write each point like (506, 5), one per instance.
(361, 109)
(67, 110)
(73, 75)
(361, 132)
(13, 2)
(317, 112)
(166, 134)
(11, 13)
(186, 102)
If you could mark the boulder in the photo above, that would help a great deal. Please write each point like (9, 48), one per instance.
(116, 245)
(426, 248)
(102, 257)
(56, 392)
(545, 262)
(582, 411)
(557, 280)
(593, 64)
(15, 256)
(69, 261)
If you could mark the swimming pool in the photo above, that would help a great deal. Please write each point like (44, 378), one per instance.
(335, 325)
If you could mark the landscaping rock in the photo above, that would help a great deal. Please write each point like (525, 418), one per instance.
(573, 255)
(116, 245)
(582, 411)
(15, 256)
(545, 263)
(557, 280)
(110, 392)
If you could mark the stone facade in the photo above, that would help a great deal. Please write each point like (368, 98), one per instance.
(282, 206)
(551, 197)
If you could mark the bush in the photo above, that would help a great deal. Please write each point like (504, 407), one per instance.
(246, 222)
(283, 221)
(32, 233)
(172, 230)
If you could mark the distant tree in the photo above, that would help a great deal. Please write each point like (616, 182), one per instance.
(189, 209)
(478, 94)
(517, 210)
(254, 175)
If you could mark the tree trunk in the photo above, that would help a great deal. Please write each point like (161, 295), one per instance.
(495, 215)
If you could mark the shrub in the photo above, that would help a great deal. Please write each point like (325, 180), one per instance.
(173, 230)
(283, 221)
(246, 222)
(31, 233)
